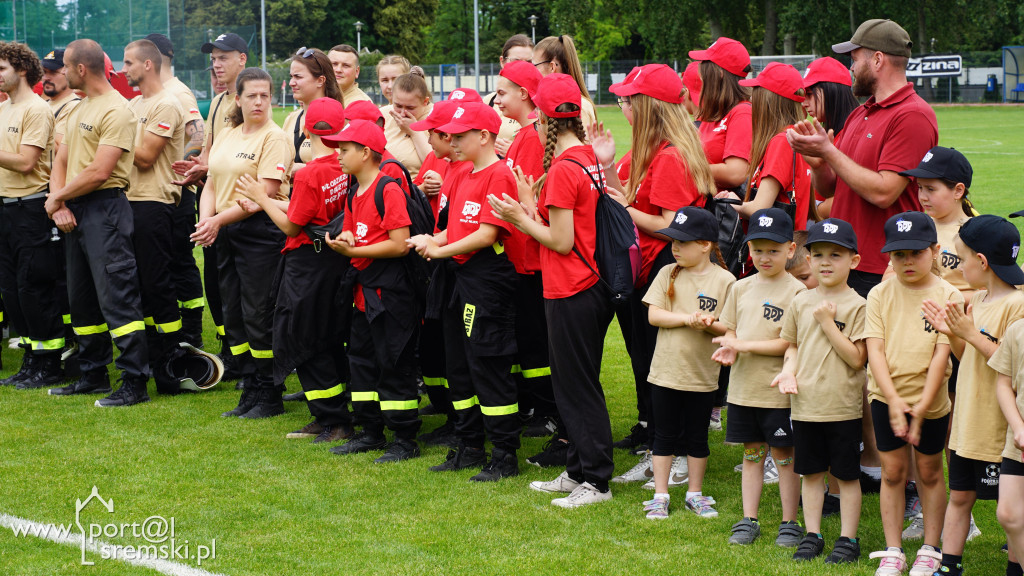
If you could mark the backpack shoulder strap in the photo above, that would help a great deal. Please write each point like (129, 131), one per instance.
(378, 193)
(405, 171)
(299, 137)
(596, 182)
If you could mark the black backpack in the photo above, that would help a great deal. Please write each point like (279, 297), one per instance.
(421, 218)
(617, 251)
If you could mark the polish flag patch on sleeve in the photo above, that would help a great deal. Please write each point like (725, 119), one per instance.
(193, 111)
(280, 167)
(163, 126)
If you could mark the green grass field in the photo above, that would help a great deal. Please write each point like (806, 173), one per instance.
(286, 507)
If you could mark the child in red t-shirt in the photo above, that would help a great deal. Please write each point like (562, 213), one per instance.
(478, 323)
(386, 319)
(308, 323)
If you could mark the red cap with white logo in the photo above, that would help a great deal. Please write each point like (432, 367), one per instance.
(472, 116)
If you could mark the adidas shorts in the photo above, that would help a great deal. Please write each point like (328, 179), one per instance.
(970, 475)
(827, 446)
(750, 424)
(933, 432)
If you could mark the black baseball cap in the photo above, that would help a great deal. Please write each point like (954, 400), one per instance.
(163, 44)
(229, 42)
(909, 231)
(999, 241)
(833, 231)
(1017, 214)
(692, 223)
(54, 60)
(945, 163)
(770, 224)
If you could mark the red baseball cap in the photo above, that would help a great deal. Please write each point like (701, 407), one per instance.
(827, 69)
(361, 132)
(554, 90)
(692, 81)
(727, 53)
(472, 116)
(363, 110)
(326, 110)
(440, 115)
(524, 74)
(465, 95)
(655, 80)
(782, 79)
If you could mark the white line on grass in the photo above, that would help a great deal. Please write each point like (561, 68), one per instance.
(30, 528)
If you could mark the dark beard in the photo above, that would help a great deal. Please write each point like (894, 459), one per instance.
(864, 87)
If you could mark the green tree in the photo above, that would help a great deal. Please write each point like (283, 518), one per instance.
(404, 23)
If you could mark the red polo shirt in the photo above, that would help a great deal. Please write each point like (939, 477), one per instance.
(894, 135)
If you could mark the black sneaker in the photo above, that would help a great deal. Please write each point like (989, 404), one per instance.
(635, 441)
(363, 441)
(268, 404)
(810, 547)
(441, 436)
(845, 551)
(47, 372)
(460, 459)
(92, 382)
(539, 427)
(296, 397)
(28, 362)
(131, 392)
(246, 401)
(399, 450)
(869, 485)
(553, 455)
(502, 465)
(830, 507)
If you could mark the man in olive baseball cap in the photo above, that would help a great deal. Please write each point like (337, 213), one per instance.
(878, 35)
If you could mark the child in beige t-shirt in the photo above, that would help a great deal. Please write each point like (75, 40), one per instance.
(1008, 362)
(985, 246)
(824, 372)
(683, 302)
(908, 361)
(758, 415)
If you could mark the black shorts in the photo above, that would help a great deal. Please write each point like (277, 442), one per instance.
(827, 446)
(953, 376)
(749, 424)
(1011, 468)
(933, 432)
(969, 475)
(681, 421)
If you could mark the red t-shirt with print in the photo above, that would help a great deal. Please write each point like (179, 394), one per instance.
(365, 223)
(318, 195)
(778, 162)
(732, 136)
(469, 208)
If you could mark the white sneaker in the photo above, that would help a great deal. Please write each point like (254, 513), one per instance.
(583, 495)
(641, 472)
(927, 562)
(974, 532)
(679, 475)
(771, 471)
(916, 529)
(14, 343)
(561, 484)
(894, 562)
(715, 424)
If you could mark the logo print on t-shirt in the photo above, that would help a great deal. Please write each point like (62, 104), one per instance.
(991, 338)
(361, 230)
(903, 225)
(706, 303)
(830, 228)
(950, 260)
(471, 209)
(840, 325)
(721, 126)
(773, 313)
(928, 326)
(680, 218)
(764, 221)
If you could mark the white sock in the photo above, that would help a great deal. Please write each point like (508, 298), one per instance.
(658, 495)
(873, 471)
(692, 494)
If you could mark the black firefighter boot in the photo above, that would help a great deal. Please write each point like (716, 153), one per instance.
(92, 382)
(268, 400)
(28, 361)
(48, 372)
(248, 398)
(192, 326)
(132, 391)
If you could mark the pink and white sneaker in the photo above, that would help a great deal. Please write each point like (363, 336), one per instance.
(894, 562)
